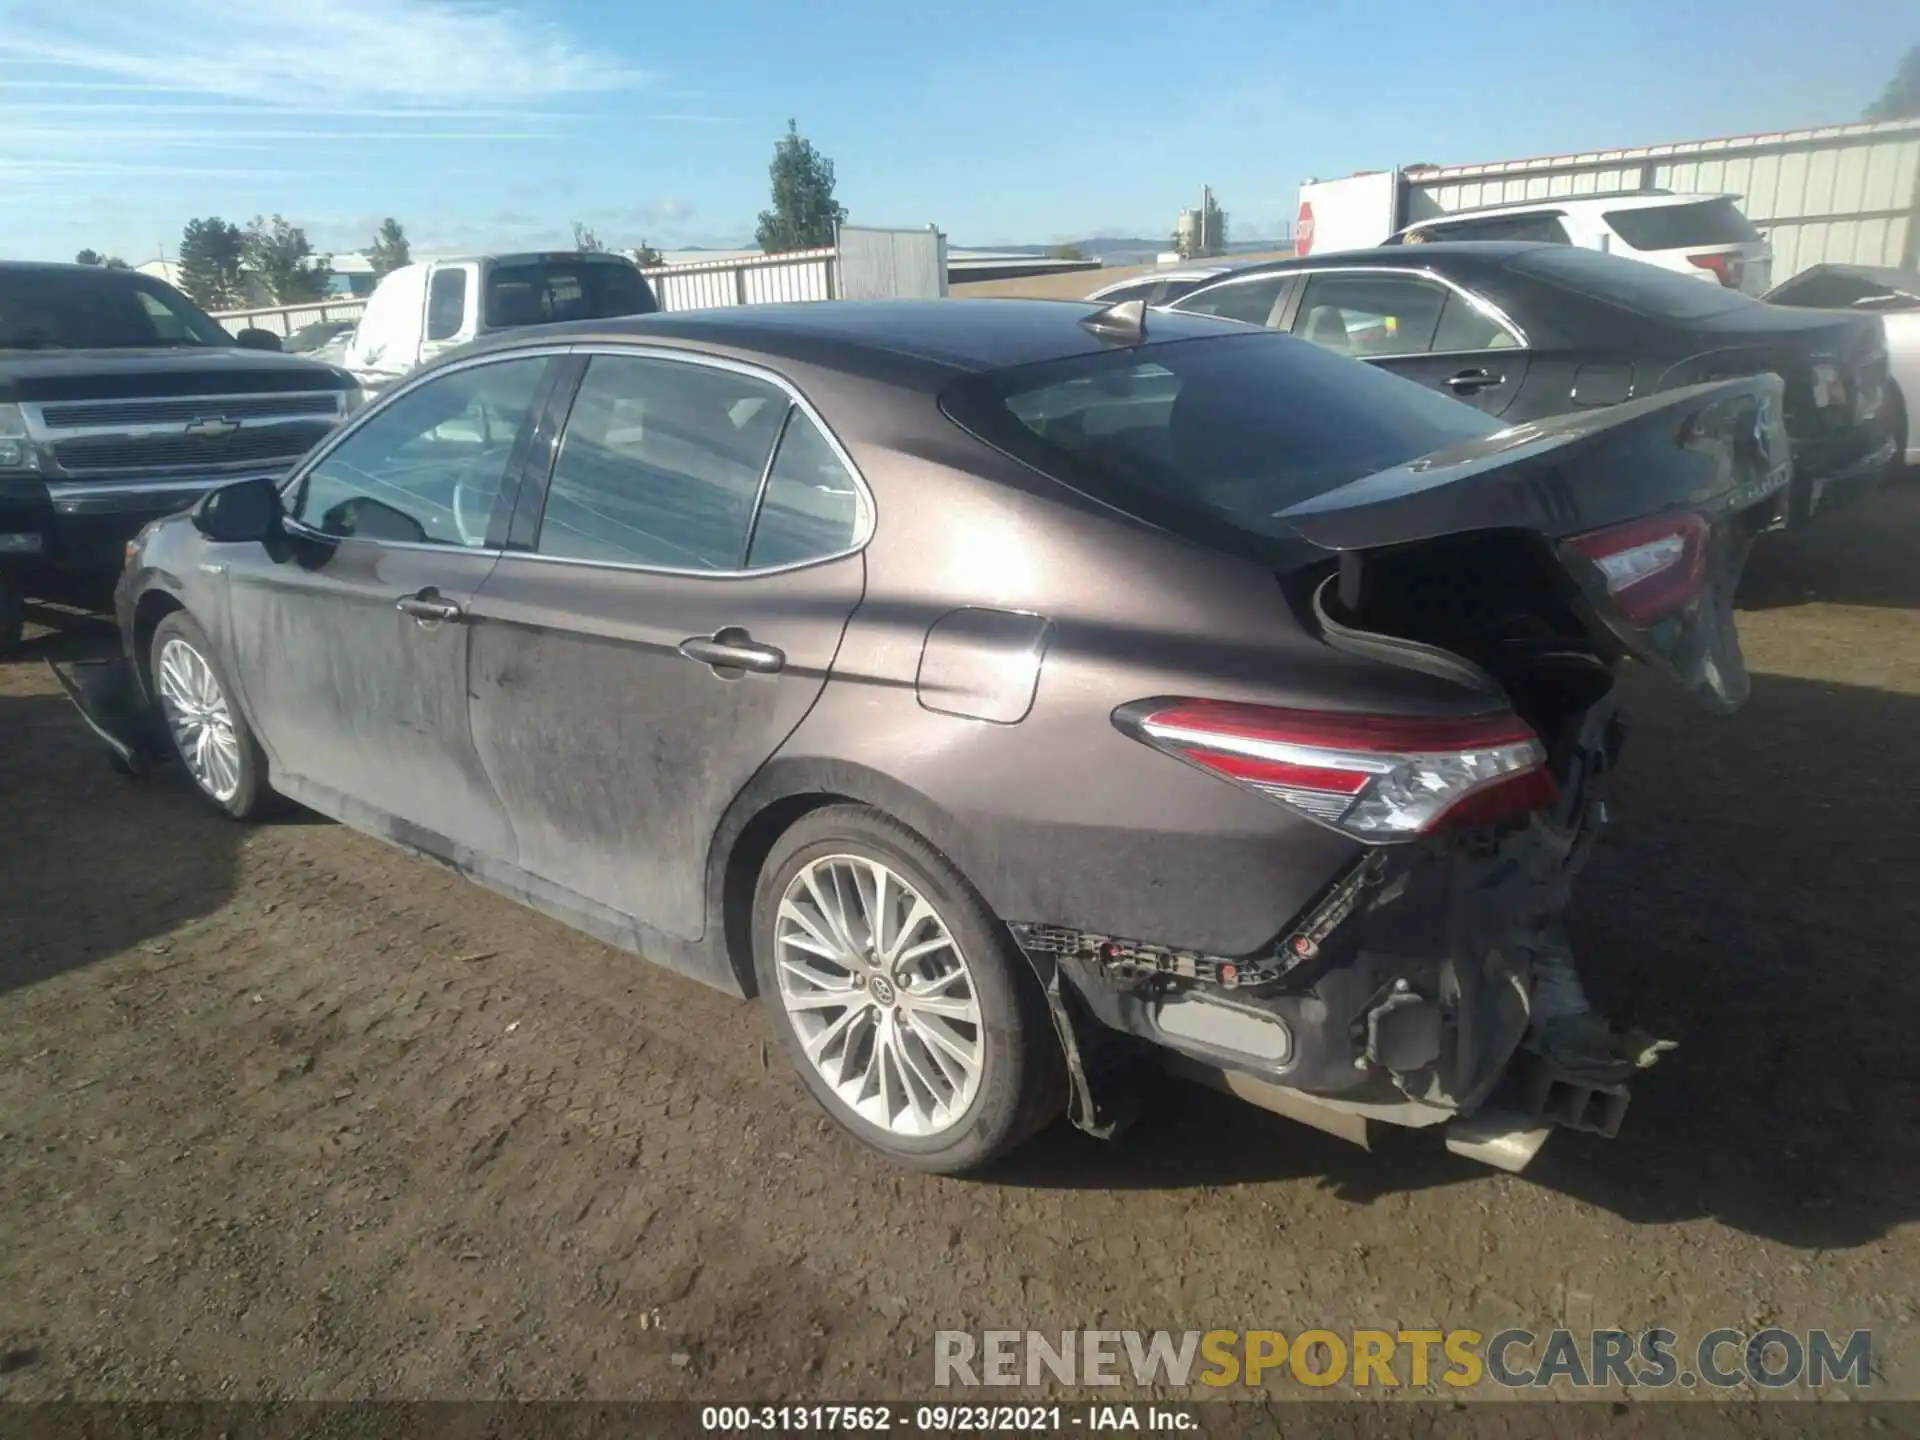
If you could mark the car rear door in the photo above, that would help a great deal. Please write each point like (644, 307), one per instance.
(350, 638)
(674, 591)
(1412, 324)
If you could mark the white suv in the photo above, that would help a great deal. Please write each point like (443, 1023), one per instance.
(1703, 235)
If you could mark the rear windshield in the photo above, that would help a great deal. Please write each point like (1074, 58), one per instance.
(1674, 227)
(1196, 435)
(1631, 284)
(546, 292)
(98, 310)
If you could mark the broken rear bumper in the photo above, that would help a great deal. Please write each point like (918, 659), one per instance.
(1430, 985)
(110, 700)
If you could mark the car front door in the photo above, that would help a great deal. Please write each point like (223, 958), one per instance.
(665, 615)
(350, 637)
(1431, 333)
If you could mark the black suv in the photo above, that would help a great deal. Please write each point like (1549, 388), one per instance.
(121, 401)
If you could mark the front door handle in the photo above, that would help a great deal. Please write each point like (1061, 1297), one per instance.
(429, 606)
(733, 649)
(1472, 382)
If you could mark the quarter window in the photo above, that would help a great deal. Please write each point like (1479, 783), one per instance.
(812, 507)
(1370, 314)
(427, 468)
(1464, 326)
(661, 465)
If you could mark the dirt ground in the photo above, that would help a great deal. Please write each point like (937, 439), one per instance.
(286, 1113)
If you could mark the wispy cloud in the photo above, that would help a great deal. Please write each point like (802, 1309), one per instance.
(296, 53)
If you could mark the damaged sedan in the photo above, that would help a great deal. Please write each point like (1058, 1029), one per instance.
(1018, 697)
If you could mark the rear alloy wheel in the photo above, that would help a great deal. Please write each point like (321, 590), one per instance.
(897, 995)
(209, 735)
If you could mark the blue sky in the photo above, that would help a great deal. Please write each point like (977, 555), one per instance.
(494, 125)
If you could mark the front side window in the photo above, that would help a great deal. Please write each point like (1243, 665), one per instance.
(428, 467)
(1247, 300)
(1370, 314)
(660, 465)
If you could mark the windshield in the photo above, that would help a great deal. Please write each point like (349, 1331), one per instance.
(1673, 227)
(91, 309)
(546, 292)
(1194, 434)
(1631, 284)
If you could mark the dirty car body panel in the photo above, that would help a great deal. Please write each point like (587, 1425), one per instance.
(1178, 711)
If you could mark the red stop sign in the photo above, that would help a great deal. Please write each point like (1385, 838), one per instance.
(1303, 230)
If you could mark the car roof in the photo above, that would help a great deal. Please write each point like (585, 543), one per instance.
(1399, 257)
(1560, 204)
(951, 336)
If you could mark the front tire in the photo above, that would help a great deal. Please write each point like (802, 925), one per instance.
(209, 736)
(898, 996)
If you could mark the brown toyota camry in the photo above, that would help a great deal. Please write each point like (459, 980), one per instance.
(1010, 693)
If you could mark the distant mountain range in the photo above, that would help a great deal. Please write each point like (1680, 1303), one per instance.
(1129, 249)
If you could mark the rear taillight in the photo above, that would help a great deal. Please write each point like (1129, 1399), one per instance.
(1651, 567)
(1726, 268)
(1376, 777)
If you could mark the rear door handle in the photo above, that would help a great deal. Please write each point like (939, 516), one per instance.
(1469, 382)
(429, 605)
(734, 649)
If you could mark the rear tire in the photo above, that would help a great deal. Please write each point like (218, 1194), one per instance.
(929, 1041)
(209, 735)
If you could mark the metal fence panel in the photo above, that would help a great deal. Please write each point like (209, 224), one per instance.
(1848, 193)
(885, 264)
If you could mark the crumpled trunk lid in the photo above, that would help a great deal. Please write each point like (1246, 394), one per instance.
(1718, 452)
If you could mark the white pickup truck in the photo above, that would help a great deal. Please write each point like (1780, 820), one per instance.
(422, 310)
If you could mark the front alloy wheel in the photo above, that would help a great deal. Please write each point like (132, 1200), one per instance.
(880, 995)
(199, 718)
(209, 733)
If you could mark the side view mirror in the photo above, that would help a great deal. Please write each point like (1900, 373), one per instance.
(253, 338)
(246, 510)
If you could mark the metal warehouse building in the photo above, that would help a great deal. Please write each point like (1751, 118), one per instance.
(1844, 193)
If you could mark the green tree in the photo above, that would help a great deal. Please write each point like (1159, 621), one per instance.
(94, 257)
(1901, 99)
(390, 249)
(646, 257)
(585, 241)
(1066, 252)
(282, 257)
(210, 254)
(804, 213)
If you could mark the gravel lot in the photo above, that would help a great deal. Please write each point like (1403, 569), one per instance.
(285, 1113)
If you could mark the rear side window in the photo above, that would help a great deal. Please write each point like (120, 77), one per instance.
(1631, 284)
(547, 292)
(660, 465)
(1674, 227)
(446, 303)
(1362, 314)
(1465, 326)
(1247, 300)
(1201, 435)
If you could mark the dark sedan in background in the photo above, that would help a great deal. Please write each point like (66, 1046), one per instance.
(1525, 331)
(1007, 691)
